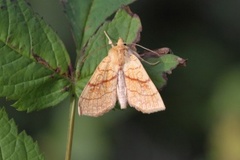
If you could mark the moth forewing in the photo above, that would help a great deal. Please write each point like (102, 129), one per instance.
(141, 92)
(99, 95)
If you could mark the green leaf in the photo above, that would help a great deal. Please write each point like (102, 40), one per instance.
(167, 63)
(14, 145)
(125, 25)
(48, 94)
(87, 15)
(34, 61)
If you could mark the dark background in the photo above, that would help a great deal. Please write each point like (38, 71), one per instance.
(202, 119)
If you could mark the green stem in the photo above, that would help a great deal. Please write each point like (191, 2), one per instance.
(70, 129)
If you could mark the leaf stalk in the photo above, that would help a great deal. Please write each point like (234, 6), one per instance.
(71, 128)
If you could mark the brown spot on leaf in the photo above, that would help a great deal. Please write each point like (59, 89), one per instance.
(66, 88)
(9, 38)
(57, 70)
(128, 10)
(52, 76)
(70, 71)
(164, 75)
(40, 60)
(182, 62)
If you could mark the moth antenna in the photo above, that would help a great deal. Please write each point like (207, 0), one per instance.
(137, 55)
(146, 48)
(109, 40)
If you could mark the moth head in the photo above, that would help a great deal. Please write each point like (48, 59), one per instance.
(120, 42)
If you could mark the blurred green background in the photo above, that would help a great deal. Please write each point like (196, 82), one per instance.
(202, 119)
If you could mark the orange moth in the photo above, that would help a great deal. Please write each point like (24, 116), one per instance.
(120, 76)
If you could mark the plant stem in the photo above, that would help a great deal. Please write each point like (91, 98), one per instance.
(70, 129)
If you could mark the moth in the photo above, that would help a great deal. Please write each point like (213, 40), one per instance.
(120, 76)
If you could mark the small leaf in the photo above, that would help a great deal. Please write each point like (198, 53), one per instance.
(87, 15)
(33, 60)
(125, 25)
(14, 145)
(167, 62)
